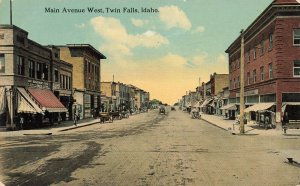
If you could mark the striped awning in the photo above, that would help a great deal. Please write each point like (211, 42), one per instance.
(229, 107)
(206, 102)
(26, 104)
(259, 106)
(47, 100)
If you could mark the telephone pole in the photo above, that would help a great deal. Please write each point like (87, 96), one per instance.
(242, 84)
(10, 11)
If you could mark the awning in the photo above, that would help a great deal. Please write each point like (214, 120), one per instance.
(47, 100)
(2, 100)
(284, 104)
(259, 106)
(229, 107)
(26, 104)
(207, 101)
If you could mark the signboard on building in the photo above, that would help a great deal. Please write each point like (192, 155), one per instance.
(38, 84)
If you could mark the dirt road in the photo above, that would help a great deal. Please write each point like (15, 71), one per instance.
(148, 149)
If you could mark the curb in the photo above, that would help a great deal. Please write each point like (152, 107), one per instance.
(214, 124)
(75, 127)
(49, 133)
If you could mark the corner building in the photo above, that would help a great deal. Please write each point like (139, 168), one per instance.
(272, 62)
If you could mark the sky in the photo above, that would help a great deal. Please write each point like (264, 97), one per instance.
(165, 53)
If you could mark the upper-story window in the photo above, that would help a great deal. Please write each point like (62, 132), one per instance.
(262, 74)
(262, 47)
(234, 83)
(254, 52)
(2, 63)
(45, 71)
(270, 71)
(270, 41)
(249, 56)
(297, 68)
(56, 75)
(230, 84)
(238, 81)
(296, 36)
(248, 78)
(254, 76)
(20, 65)
(31, 69)
(39, 70)
(238, 64)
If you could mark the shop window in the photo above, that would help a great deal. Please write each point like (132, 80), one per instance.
(296, 37)
(297, 68)
(2, 63)
(20, 65)
(31, 69)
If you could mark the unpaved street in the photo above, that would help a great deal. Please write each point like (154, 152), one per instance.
(148, 149)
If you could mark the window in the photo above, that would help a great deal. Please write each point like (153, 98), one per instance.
(270, 41)
(249, 56)
(56, 75)
(39, 71)
(238, 81)
(61, 79)
(296, 36)
(45, 71)
(230, 84)
(297, 68)
(270, 71)
(31, 69)
(2, 63)
(234, 83)
(238, 64)
(248, 78)
(254, 76)
(261, 73)
(254, 53)
(262, 47)
(20, 65)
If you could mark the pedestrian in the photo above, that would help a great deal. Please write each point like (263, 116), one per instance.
(75, 119)
(21, 122)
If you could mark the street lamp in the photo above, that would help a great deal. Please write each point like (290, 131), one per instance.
(242, 84)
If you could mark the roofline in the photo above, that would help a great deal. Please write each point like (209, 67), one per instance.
(261, 15)
(101, 56)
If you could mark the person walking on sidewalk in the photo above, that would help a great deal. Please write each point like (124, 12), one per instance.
(75, 119)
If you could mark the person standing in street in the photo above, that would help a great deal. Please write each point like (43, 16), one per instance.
(75, 119)
(21, 122)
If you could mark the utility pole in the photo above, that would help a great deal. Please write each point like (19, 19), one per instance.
(10, 11)
(242, 84)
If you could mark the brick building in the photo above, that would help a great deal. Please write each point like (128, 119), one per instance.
(86, 80)
(26, 80)
(272, 62)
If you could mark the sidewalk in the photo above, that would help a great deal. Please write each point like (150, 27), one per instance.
(252, 129)
(49, 130)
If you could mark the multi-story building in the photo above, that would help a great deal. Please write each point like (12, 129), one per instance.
(86, 77)
(272, 62)
(26, 80)
(109, 93)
